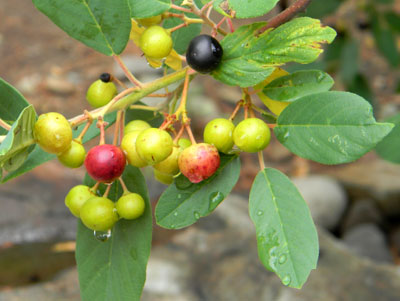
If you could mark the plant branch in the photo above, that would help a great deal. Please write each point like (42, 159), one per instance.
(4, 125)
(286, 15)
(128, 74)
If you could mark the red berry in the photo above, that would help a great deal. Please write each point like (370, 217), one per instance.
(105, 162)
(199, 162)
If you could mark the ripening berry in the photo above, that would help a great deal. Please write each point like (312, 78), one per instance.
(252, 135)
(99, 214)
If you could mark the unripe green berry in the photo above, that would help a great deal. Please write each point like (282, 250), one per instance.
(170, 165)
(147, 22)
(130, 206)
(53, 133)
(163, 177)
(100, 93)
(154, 145)
(76, 197)
(252, 135)
(74, 156)
(156, 42)
(184, 143)
(99, 214)
(128, 145)
(136, 125)
(219, 132)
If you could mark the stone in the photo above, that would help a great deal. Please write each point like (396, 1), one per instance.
(325, 197)
(362, 212)
(369, 241)
(373, 178)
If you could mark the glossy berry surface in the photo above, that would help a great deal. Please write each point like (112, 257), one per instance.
(76, 197)
(99, 214)
(204, 53)
(199, 162)
(170, 165)
(147, 22)
(163, 177)
(100, 93)
(105, 162)
(128, 145)
(74, 156)
(136, 125)
(252, 135)
(156, 42)
(130, 206)
(53, 133)
(154, 145)
(219, 132)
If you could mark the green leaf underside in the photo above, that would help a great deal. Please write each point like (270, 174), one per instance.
(38, 156)
(148, 8)
(103, 25)
(293, 86)
(116, 269)
(16, 146)
(389, 147)
(183, 203)
(249, 58)
(244, 8)
(286, 236)
(12, 103)
(330, 127)
(182, 37)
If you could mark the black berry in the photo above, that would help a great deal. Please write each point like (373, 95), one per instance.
(204, 53)
(105, 77)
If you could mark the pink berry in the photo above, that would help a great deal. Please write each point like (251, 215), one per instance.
(199, 162)
(105, 162)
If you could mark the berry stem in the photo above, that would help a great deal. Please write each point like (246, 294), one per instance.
(95, 186)
(128, 74)
(230, 24)
(177, 7)
(143, 107)
(236, 110)
(182, 106)
(189, 131)
(121, 127)
(119, 82)
(214, 30)
(179, 135)
(261, 160)
(117, 127)
(206, 18)
(134, 95)
(107, 190)
(124, 188)
(4, 125)
(85, 129)
(263, 112)
(100, 125)
(170, 30)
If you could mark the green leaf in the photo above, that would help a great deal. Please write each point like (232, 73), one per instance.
(243, 9)
(148, 8)
(286, 236)
(360, 86)
(38, 156)
(293, 86)
(18, 140)
(12, 103)
(183, 203)
(330, 127)
(116, 269)
(249, 57)
(155, 119)
(103, 25)
(393, 20)
(319, 9)
(182, 37)
(388, 148)
(349, 60)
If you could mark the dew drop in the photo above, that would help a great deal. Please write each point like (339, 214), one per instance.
(176, 213)
(214, 199)
(286, 280)
(196, 215)
(282, 259)
(172, 227)
(260, 212)
(102, 236)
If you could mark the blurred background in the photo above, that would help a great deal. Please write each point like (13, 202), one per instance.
(355, 206)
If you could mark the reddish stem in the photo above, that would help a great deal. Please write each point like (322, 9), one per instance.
(179, 135)
(236, 110)
(189, 131)
(230, 24)
(186, 10)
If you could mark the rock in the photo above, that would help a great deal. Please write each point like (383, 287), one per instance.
(369, 241)
(373, 178)
(203, 263)
(325, 197)
(362, 212)
(29, 84)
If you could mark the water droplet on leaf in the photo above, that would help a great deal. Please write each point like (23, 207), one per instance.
(286, 280)
(282, 259)
(102, 236)
(214, 199)
(260, 212)
(196, 215)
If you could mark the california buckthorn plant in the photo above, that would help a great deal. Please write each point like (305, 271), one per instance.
(298, 109)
